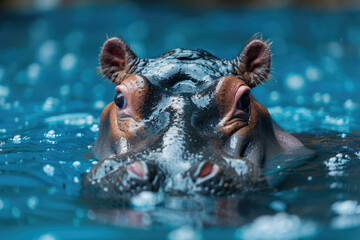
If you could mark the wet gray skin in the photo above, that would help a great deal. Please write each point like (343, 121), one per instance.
(187, 122)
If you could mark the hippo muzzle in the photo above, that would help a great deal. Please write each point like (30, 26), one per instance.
(186, 122)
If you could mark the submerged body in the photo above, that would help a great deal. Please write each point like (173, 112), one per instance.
(187, 121)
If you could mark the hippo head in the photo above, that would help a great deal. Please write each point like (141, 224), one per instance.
(186, 122)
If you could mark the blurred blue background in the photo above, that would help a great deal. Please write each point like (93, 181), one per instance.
(51, 98)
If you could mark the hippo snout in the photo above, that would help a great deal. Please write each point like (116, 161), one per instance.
(211, 178)
(116, 180)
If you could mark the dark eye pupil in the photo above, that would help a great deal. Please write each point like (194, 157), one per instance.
(244, 102)
(120, 100)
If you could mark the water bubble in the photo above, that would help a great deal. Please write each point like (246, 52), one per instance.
(65, 90)
(4, 91)
(50, 134)
(1, 204)
(146, 199)
(336, 50)
(336, 164)
(329, 65)
(317, 97)
(313, 73)
(340, 121)
(278, 206)
(68, 62)
(185, 233)
(50, 104)
(49, 170)
(326, 98)
(76, 179)
(48, 51)
(347, 207)
(47, 236)
(17, 139)
(99, 104)
(16, 212)
(76, 164)
(349, 104)
(32, 202)
(94, 128)
(79, 135)
(294, 81)
(274, 96)
(279, 226)
(339, 155)
(33, 73)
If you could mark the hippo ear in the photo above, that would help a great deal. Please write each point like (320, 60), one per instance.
(116, 60)
(253, 63)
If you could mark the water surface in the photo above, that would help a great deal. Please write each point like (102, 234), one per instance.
(51, 99)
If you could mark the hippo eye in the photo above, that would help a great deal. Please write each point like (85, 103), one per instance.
(120, 100)
(244, 102)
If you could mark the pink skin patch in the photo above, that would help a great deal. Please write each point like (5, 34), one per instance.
(127, 111)
(138, 169)
(208, 169)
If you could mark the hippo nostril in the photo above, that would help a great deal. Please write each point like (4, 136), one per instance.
(138, 168)
(208, 169)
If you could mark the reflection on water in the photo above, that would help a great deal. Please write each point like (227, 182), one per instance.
(51, 99)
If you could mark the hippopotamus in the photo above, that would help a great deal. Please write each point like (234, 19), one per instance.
(187, 122)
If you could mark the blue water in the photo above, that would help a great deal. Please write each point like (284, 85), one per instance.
(51, 99)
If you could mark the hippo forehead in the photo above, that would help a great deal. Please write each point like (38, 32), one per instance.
(182, 70)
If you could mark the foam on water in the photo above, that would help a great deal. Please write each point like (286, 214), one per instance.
(278, 226)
